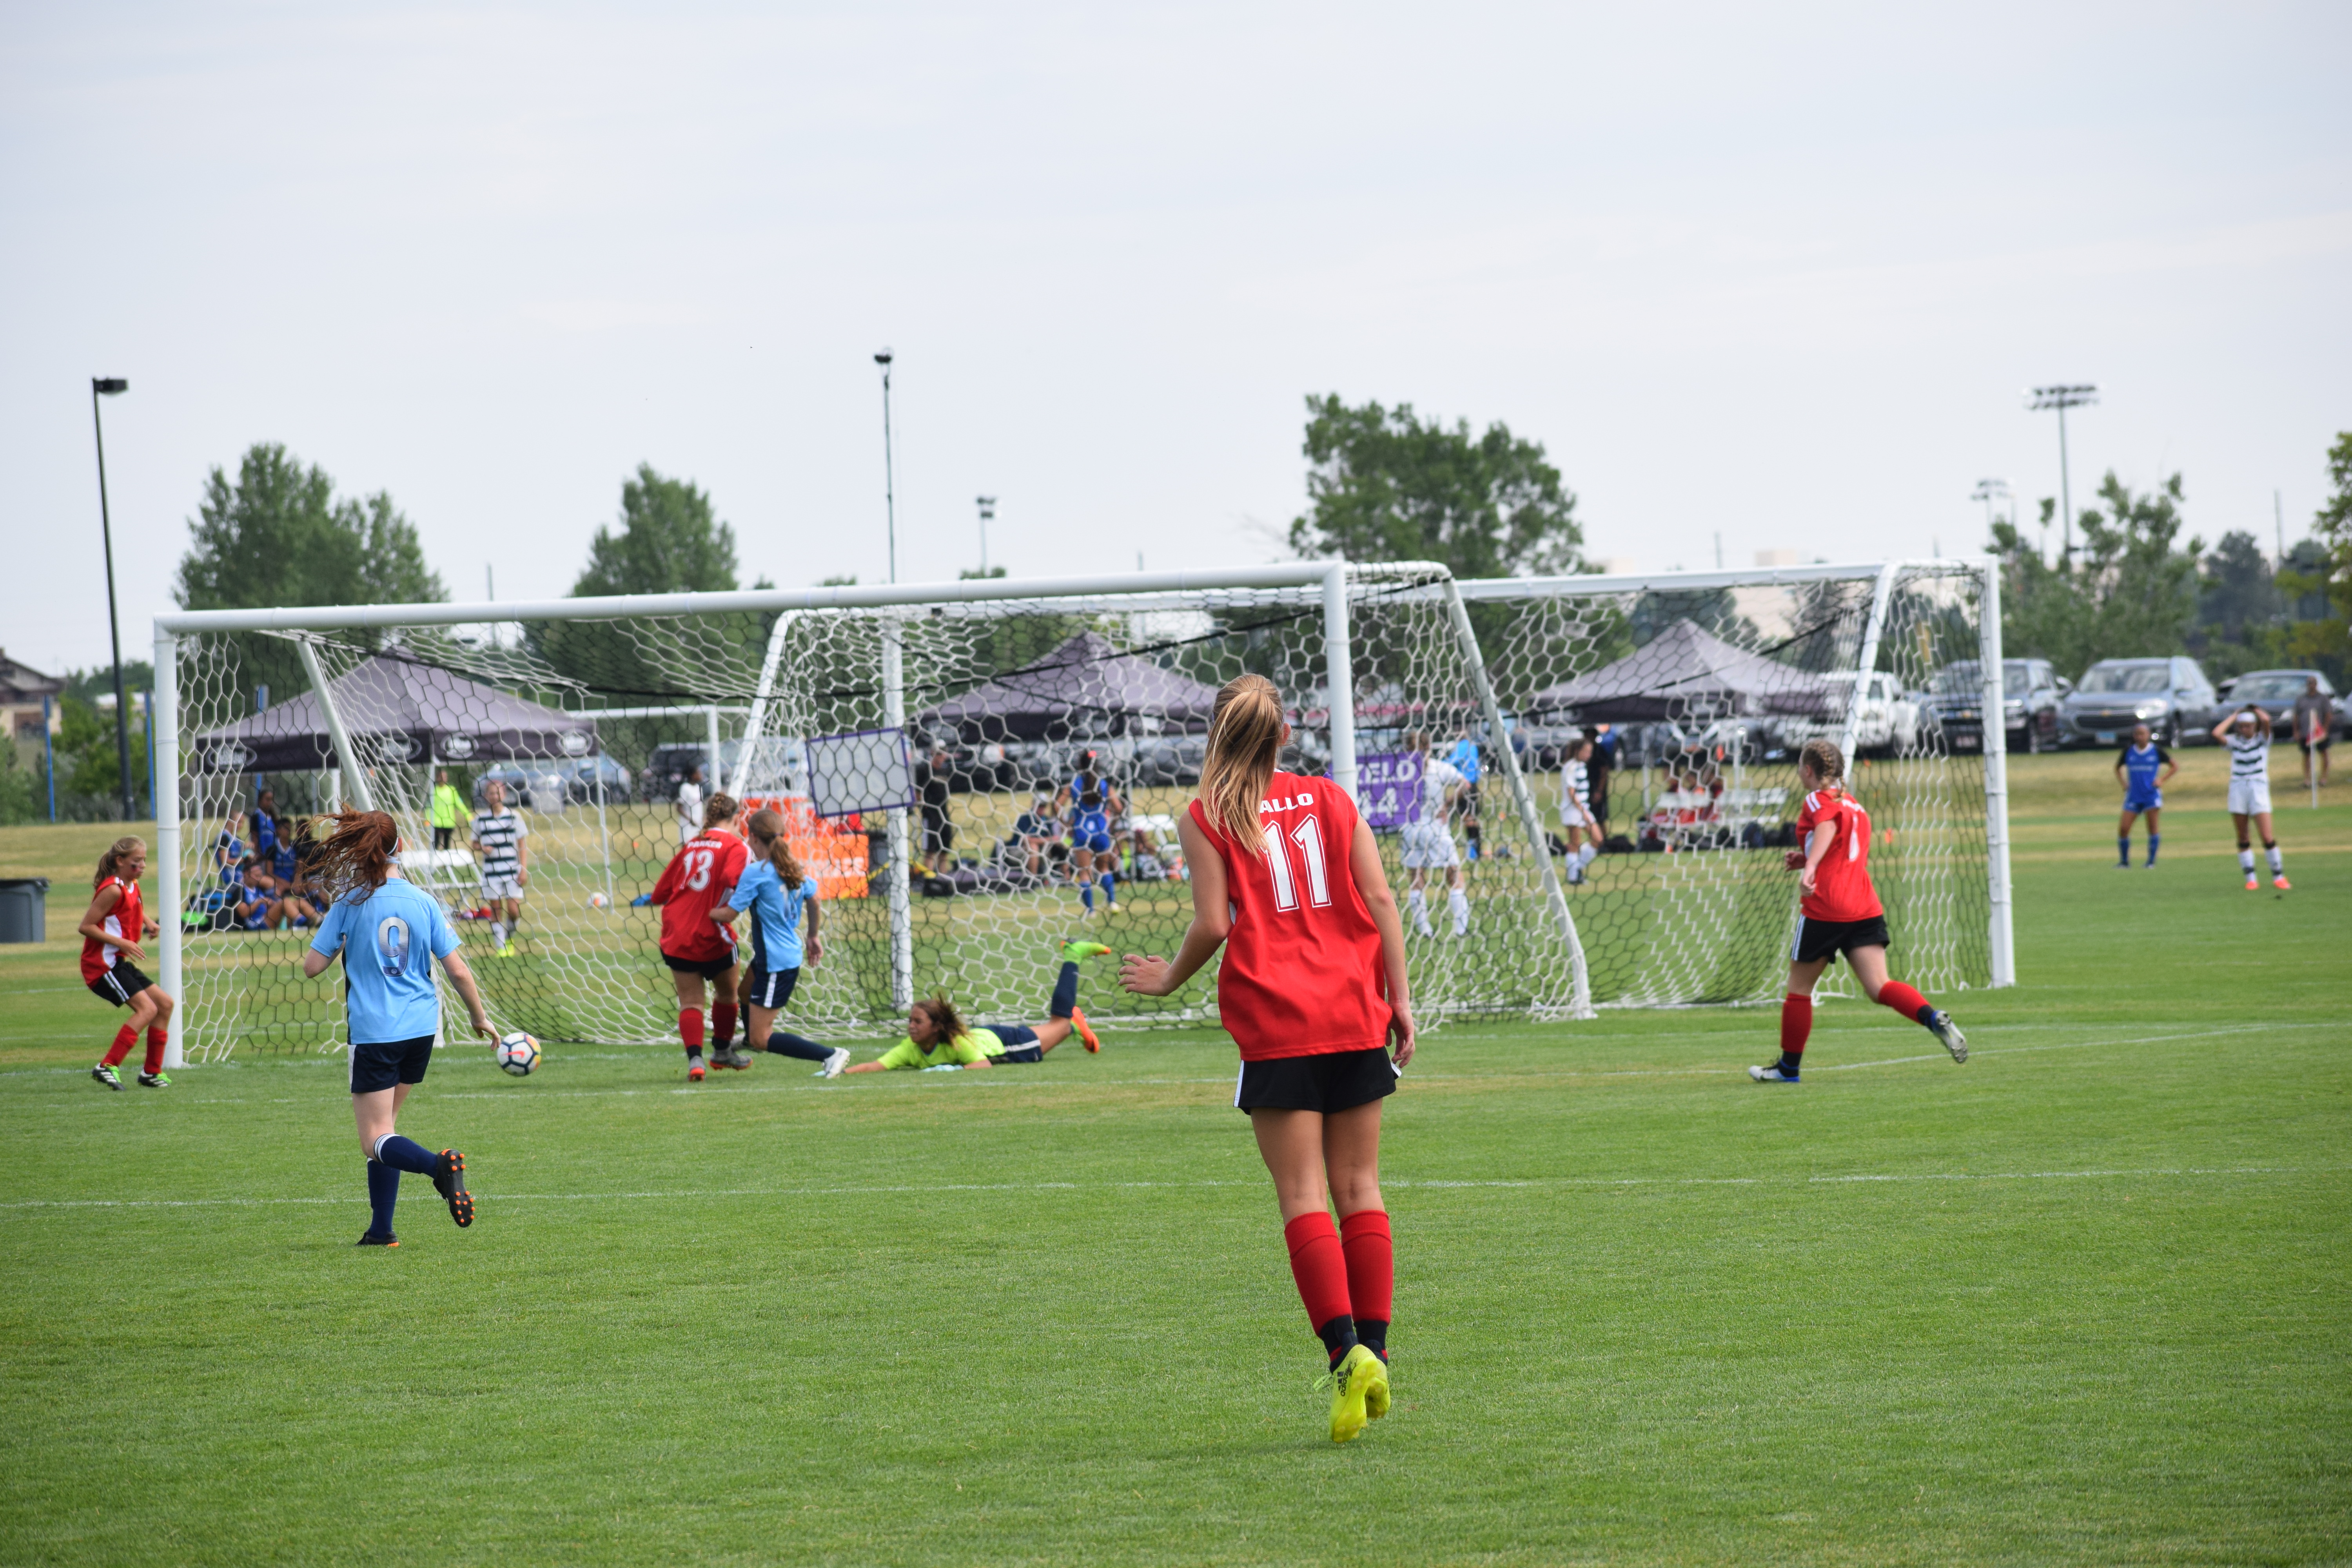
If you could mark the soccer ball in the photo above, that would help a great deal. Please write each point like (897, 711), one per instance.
(518, 1053)
(596, 901)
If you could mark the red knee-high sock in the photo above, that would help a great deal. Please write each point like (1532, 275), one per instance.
(1796, 1024)
(723, 1025)
(690, 1027)
(124, 1039)
(1903, 999)
(1372, 1275)
(1320, 1268)
(157, 1038)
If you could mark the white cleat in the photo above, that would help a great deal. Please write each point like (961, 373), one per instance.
(1944, 1029)
(835, 1064)
(1772, 1075)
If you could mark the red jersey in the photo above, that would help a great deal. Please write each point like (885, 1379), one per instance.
(1302, 974)
(697, 880)
(127, 919)
(1841, 890)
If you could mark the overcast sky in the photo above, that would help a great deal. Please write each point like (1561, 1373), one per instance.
(1778, 274)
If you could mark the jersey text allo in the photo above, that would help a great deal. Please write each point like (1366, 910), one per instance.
(1841, 890)
(1302, 974)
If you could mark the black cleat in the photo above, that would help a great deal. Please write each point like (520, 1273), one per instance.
(107, 1076)
(372, 1239)
(449, 1181)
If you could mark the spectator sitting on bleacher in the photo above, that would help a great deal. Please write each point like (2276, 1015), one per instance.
(257, 894)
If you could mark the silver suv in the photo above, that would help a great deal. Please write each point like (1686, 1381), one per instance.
(2170, 696)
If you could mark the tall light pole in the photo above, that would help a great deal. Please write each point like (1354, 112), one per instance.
(1989, 491)
(889, 486)
(987, 510)
(2061, 398)
(107, 386)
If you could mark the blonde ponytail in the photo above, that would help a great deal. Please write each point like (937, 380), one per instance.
(1244, 740)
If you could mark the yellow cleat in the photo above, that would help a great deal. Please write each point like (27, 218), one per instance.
(1359, 1371)
(1376, 1392)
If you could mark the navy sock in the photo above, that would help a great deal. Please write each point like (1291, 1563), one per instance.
(407, 1154)
(1339, 1335)
(1373, 1335)
(785, 1043)
(2152, 842)
(384, 1191)
(1791, 1066)
(1065, 993)
(2122, 849)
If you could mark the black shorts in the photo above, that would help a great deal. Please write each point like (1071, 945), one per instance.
(2321, 744)
(709, 968)
(120, 984)
(939, 834)
(1021, 1045)
(441, 836)
(381, 1065)
(1330, 1082)
(1817, 940)
(771, 987)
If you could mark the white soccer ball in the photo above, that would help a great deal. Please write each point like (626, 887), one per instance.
(518, 1053)
(596, 901)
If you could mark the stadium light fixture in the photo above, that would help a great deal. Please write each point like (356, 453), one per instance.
(108, 386)
(2061, 398)
(889, 487)
(987, 512)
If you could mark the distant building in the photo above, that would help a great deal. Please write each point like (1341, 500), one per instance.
(1776, 558)
(22, 688)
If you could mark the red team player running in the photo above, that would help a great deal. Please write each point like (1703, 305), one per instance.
(695, 948)
(110, 933)
(1287, 877)
(1841, 913)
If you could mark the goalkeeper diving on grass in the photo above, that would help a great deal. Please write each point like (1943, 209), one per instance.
(938, 1040)
(1841, 913)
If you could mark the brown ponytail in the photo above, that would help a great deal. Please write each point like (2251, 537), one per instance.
(1244, 739)
(720, 809)
(767, 831)
(119, 851)
(357, 854)
(946, 1022)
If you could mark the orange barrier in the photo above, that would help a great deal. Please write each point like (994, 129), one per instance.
(830, 849)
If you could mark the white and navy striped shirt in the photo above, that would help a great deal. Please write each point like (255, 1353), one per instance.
(2249, 759)
(496, 833)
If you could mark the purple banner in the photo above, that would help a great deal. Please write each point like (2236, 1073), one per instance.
(1388, 788)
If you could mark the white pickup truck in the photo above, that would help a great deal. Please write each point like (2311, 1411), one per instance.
(1887, 721)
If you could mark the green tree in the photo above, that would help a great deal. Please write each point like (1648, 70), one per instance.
(1386, 485)
(2130, 589)
(277, 535)
(21, 799)
(668, 542)
(2326, 642)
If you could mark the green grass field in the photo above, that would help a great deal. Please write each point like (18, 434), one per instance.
(2086, 1298)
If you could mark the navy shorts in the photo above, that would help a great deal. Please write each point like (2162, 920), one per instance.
(1020, 1044)
(771, 987)
(120, 984)
(1330, 1082)
(1817, 940)
(709, 968)
(379, 1066)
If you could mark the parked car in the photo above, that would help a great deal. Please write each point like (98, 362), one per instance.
(2170, 696)
(2032, 695)
(1887, 721)
(671, 761)
(2275, 691)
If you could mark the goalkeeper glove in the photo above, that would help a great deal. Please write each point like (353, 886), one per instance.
(950, 1066)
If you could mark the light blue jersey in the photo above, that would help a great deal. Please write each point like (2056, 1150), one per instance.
(1464, 758)
(775, 911)
(388, 940)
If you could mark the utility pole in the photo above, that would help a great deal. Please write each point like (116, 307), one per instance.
(889, 486)
(2061, 398)
(2278, 519)
(987, 510)
(107, 386)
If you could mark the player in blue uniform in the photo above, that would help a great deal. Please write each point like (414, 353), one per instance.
(388, 934)
(2143, 768)
(1089, 803)
(776, 893)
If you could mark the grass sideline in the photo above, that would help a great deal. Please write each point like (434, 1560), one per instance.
(2082, 1300)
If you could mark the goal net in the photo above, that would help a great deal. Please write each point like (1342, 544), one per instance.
(974, 772)
(1708, 684)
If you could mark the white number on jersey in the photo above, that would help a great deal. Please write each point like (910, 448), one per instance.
(698, 868)
(1308, 837)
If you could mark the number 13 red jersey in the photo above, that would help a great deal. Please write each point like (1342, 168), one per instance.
(697, 878)
(1302, 974)
(1841, 890)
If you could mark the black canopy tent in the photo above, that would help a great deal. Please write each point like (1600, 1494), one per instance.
(1086, 686)
(398, 709)
(1683, 672)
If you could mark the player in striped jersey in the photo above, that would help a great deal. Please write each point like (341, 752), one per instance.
(502, 839)
(2247, 733)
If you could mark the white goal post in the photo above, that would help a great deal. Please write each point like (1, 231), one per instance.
(1008, 693)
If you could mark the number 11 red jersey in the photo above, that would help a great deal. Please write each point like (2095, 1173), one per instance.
(1302, 974)
(697, 880)
(1841, 890)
